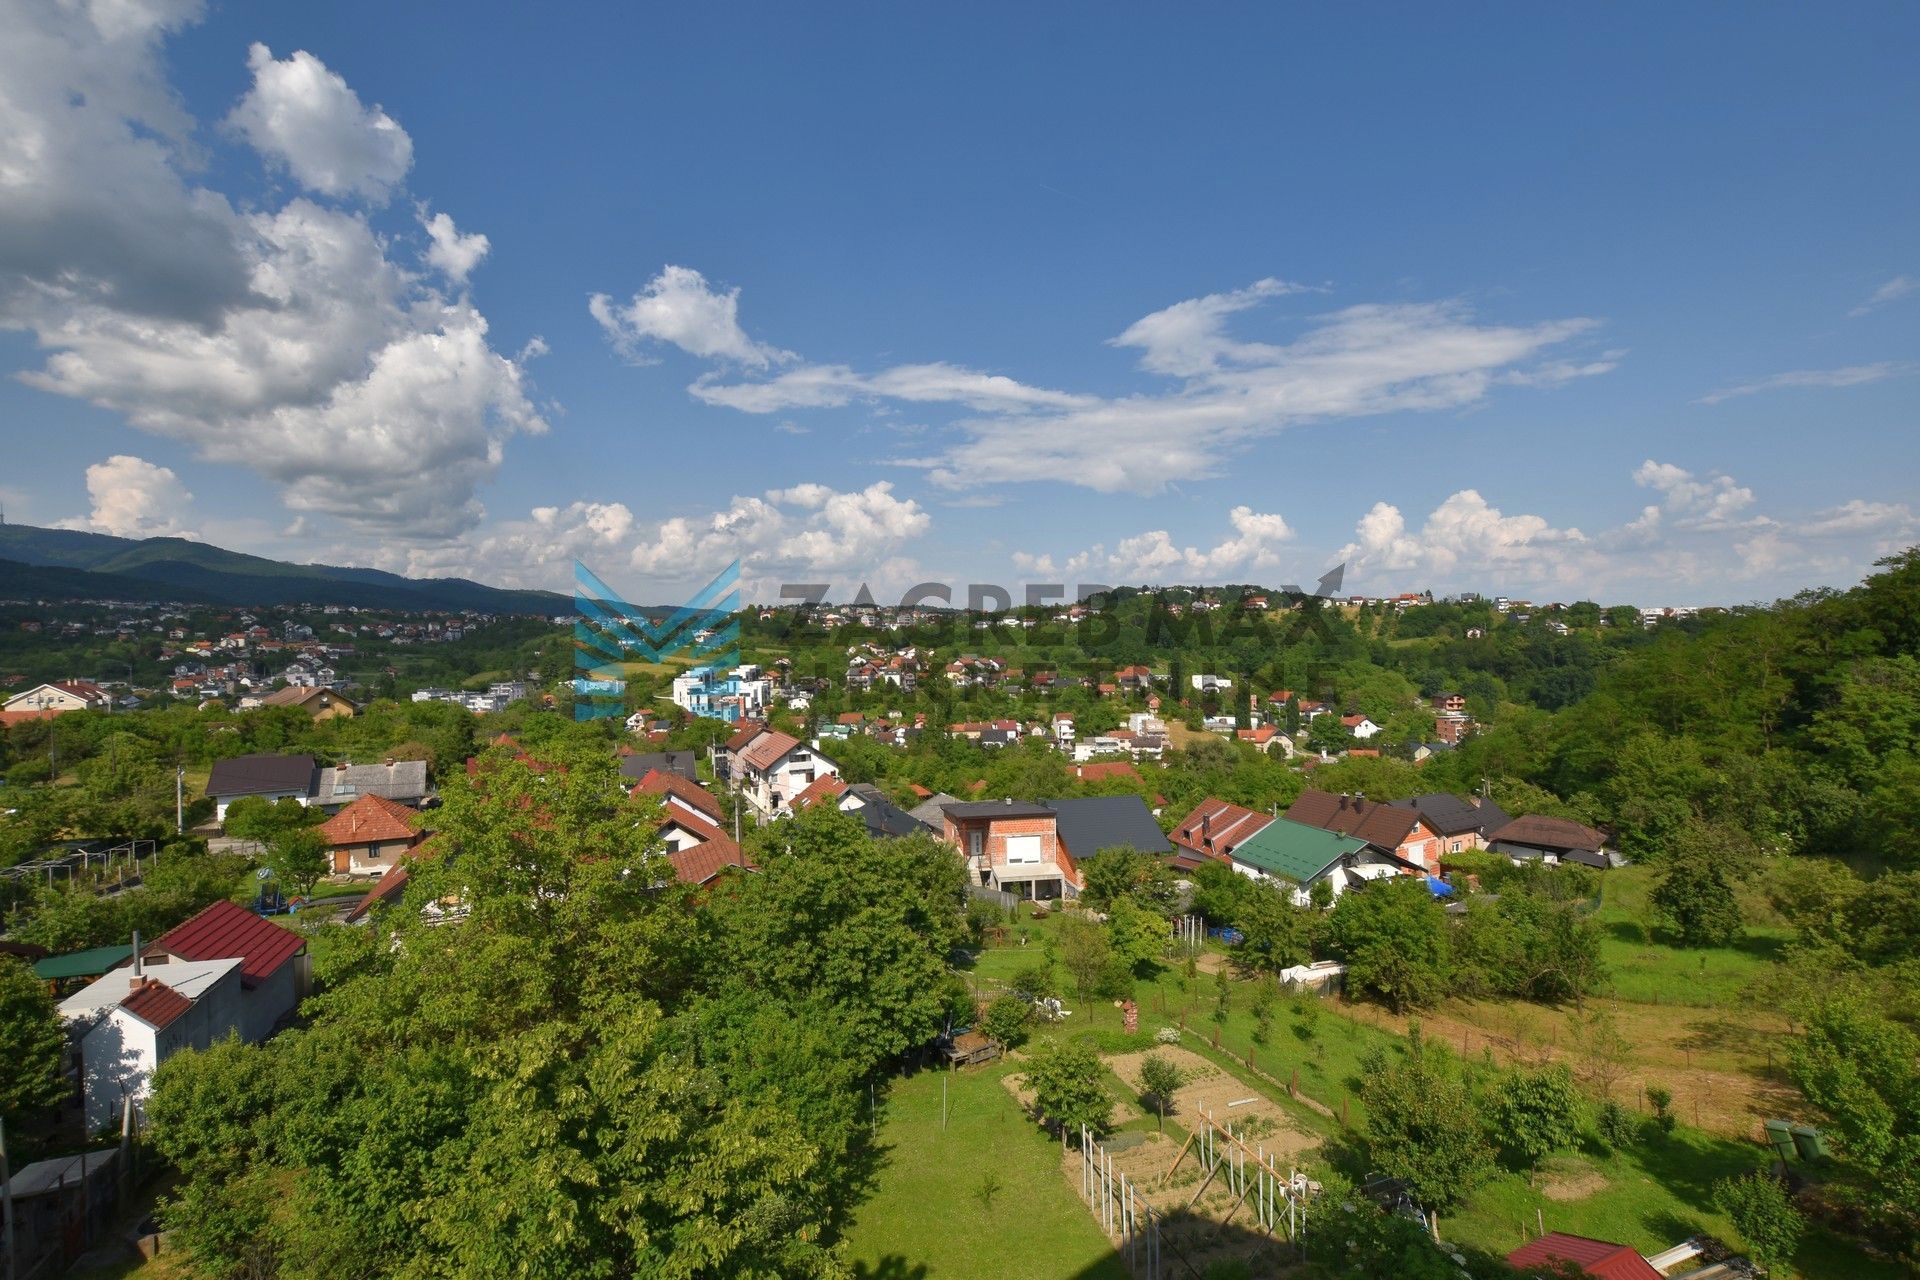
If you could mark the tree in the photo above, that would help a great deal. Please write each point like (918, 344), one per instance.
(297, 856)
(1695, 899)
(1863, 1069)
(1394, 940)
(1115, 873)
(1085, 951)
(1327, 735)
(1423, 1128)
(1136, 936)
(1069, 1087)
(1274, 933)
(32, 1043)
(1005, 1021)
(1764, 1216)
(1160, 1079)
(1535, 1113)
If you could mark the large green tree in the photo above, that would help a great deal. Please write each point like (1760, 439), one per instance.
(32, 1043)
(1424, 1129)
(1394, 939)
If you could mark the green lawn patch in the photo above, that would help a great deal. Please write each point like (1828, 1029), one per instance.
(926, 1219)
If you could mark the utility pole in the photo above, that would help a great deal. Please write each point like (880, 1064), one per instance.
(179, 804)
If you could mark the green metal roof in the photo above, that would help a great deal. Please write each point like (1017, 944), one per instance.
(1293, 850)
(82, 964)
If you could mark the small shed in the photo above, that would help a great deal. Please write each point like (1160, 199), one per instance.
(967, 1048)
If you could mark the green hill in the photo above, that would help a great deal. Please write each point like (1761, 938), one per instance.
(70, 564)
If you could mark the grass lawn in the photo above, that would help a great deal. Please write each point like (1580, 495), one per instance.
(1651, 1196)
(1646, 970)
(926, 1219)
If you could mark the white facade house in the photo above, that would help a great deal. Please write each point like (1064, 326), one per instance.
(61, 695)
(131, 1020)
(774, 767)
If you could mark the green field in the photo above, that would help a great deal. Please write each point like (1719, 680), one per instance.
(926, 1218)
(1651, 1196)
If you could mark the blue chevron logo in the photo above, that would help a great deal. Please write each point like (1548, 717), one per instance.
(609, 633)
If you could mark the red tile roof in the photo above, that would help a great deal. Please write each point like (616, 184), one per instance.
(369, 820)
(822, 788)
(155, 1003)
(1597, 1258)
(693, 823)
(702, 862)
(391, 885)
(767, 749)
(1215, 826)
(748, 731)
(1380, 825)
(660, 783)
(228, 932)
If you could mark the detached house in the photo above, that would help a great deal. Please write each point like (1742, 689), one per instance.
(773, 767)
(1463, 823)
(1033, 849)
(369, 836)
(58, 698)
(317, 701)
(1212, 831)
(1296, 857)
(1533, 837)
(129, 1021)
(1400, 835)
(271, 777)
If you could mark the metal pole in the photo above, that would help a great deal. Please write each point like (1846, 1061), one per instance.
(179, 802)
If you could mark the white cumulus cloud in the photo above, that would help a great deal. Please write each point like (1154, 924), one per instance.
(282, 339)
(678, 307)
(304, 116)
(134, 498)
(448, 251)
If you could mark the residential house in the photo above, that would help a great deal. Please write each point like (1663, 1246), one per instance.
(734, 696)
(774, 767)
(130, 1020)
(1033, 849)
(1463, 822)
(641, 763)
(59, 697)
(931, 811)
(1296, 857)
(319, 702)
(1449, 703)
(1268, 738)
(1452, 729)
(1534, 837)
(1211, 831)
(340, 785)
(725, 756)
(1399, 834)
(271, 777)
(368, 837)
(883, 818)
(273, 969)
(1206, 682)
(1134, 679)
(1360, 727)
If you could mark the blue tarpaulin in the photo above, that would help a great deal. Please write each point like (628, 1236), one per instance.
(1439, 888)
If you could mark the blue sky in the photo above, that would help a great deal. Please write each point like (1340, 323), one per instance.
(1535, 300)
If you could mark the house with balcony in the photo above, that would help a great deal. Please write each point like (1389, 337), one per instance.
(1034, 849)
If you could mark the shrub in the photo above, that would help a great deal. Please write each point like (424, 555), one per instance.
(1005, 1021)
(1619, 1128)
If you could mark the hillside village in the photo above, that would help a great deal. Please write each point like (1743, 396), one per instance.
(1163, 858)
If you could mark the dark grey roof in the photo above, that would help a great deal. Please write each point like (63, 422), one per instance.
(1092, 823)
(1453, 815)
(998, 809)
(257, 774)
(882, 816)
(998, 737)
(680, 762)
(931, 811)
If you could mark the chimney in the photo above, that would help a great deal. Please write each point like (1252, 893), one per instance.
(341, 767)
(389, 762)
(137, 968)
(1206, 827)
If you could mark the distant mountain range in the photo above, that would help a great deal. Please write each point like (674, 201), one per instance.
(69, 564)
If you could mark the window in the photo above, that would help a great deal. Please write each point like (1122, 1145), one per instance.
(975, 842)
(1023, 849)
